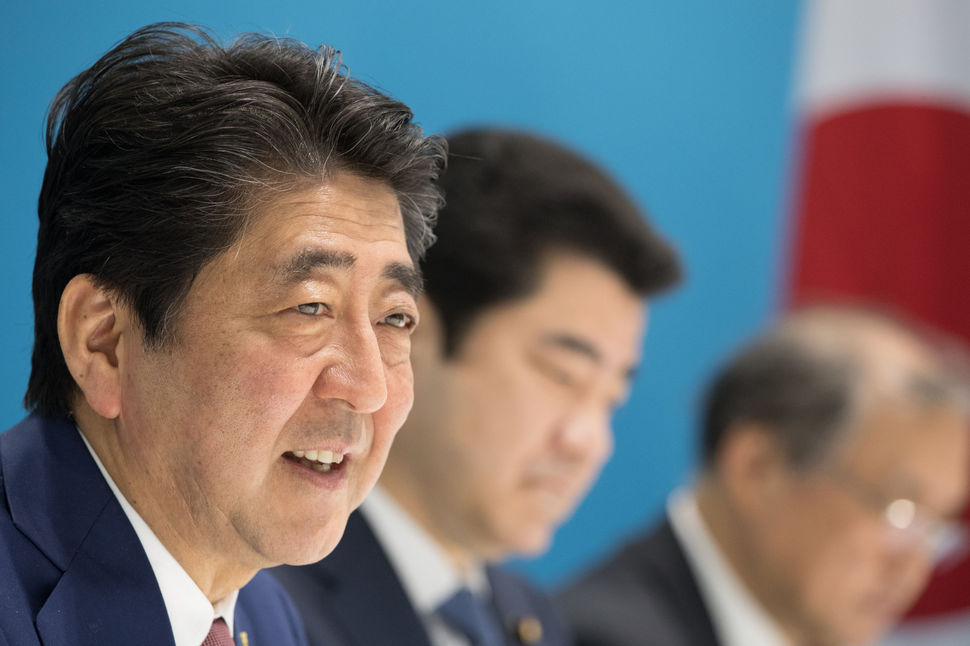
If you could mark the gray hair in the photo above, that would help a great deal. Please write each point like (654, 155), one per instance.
(811, 377)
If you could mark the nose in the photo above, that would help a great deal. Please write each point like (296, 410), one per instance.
(354, 369)
(587, 434)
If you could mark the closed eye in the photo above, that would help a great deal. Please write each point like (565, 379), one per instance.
(312, 309)
(554, 372)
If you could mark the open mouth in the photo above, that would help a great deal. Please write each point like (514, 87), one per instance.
(319, 461)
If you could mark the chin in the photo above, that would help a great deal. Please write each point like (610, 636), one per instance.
(859, 635)
(532, 544)
(292, 550)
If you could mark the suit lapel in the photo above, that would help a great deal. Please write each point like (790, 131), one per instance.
(243, 627)
(363, 583)
(668, 558)
(58, 498)
(109, 589)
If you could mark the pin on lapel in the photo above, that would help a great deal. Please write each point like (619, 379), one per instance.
(244, 638)
(529, 630)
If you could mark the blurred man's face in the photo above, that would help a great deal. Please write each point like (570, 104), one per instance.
(268, 418)
(508, 434)
(832, 564)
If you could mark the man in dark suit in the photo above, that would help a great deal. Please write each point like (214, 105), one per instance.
(224, 292)
(531, 327)
(835, 456)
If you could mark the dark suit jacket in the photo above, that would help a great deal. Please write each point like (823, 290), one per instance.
(354, 597)
(645, 595)
(72, 571)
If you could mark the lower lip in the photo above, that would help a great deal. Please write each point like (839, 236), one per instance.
(333, 479)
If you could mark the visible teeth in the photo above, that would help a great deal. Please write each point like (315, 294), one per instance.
(323, 457)
(320, 467)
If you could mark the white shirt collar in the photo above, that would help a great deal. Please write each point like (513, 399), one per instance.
(738, 618)
(427, 575)
(189, 611)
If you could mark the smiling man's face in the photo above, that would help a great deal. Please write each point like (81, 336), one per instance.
(269, 416)
(509, 433)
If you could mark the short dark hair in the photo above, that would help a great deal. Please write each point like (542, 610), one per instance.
(812, 375)
(511, 198)
(160, 152)
(803, 397)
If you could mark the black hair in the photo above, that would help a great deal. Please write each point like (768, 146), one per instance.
(159, 152)
(512, 198)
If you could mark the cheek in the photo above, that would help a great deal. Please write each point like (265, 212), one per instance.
(249, 401)
(844, 572)
(388, 419)
(400, 399)
(267, 384)
(799, 540)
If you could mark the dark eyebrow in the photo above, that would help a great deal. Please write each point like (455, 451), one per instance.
(573, 344)
(406, 276)
(581, 346)
(302, 265)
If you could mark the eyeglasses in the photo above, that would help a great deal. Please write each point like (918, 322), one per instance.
(907, 521)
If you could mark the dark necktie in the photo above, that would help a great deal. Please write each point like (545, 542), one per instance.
(219, 634)
(468, 615)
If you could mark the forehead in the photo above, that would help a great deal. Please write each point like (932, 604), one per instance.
(576, 282)
(346, 206)
(920, 449)
(346, 217)
(577, 298)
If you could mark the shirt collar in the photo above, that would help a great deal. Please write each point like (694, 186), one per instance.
(738, 618)
(427, 575)
(189, 611)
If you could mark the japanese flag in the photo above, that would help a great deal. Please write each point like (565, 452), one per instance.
(882, 202)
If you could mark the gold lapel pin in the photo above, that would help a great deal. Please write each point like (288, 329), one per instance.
(244, 638)
(529, 630)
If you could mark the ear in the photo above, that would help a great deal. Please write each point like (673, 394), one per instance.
(752, 466)
(89, 328)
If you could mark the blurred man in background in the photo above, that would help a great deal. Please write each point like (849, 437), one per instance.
(531, 330)
(835, 453)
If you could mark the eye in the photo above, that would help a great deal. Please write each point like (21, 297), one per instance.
(312, 309)
(400, 320)
(560, 376)
(556, 373)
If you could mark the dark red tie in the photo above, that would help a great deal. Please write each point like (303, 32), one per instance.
(219, 635)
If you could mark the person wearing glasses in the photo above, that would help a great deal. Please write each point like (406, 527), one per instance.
(835, 454)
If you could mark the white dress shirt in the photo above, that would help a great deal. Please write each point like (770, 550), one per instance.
(738, 618)
(189, 611)
(426, 574)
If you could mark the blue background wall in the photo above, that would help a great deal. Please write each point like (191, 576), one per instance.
(685, 101)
